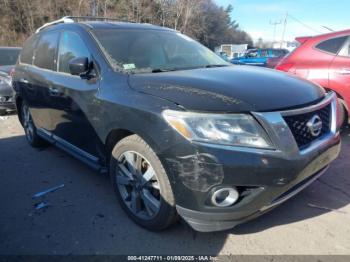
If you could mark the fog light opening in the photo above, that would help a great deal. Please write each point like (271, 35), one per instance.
(224, 197)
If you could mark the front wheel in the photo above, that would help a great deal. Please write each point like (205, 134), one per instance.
(141, 184)
(29, 128)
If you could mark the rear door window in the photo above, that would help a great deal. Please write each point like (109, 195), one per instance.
(264, 53)
(332, 45)
(278, 53)
(71, 46)
(45, 53)
(253, 53)
(28, 50)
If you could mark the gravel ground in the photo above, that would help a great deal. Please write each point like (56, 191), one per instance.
(84, 217)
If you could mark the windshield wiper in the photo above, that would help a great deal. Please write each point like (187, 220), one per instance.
(160, 70)
(219, 65)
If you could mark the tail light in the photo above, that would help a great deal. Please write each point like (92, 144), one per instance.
(284, 66)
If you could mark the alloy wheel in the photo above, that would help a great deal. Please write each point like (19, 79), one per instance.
(138, 185)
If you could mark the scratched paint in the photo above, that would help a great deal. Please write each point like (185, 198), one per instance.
(198, 172)
(196, 91)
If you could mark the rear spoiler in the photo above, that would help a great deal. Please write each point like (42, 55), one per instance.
(302, 39)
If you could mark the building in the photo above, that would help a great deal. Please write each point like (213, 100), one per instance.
(232, 50)
(289, 45)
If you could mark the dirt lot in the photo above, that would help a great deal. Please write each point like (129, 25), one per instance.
(84, 217)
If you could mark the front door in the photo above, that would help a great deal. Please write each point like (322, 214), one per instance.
(73, 99)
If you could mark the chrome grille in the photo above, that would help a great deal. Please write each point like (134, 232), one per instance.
(300, 130)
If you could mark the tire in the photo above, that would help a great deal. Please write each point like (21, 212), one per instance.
(3, 112)
(136, 172)
(29, 128)
(345, 113)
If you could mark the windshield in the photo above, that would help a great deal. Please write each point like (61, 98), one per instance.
(8, 56)
(154, 50)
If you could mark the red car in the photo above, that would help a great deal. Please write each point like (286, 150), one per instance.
(325, 60)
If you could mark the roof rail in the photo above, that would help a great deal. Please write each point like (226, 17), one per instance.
(65, 19)
(72, 19)
(96, 18)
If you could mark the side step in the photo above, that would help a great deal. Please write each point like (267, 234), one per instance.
(74, 151)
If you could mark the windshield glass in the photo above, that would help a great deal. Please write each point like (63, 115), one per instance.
(8, 56)
(154, 50)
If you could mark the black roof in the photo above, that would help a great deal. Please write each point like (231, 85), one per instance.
(122, 25)
(10, 48)
(107, 25)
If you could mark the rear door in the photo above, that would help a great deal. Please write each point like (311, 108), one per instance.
(339, 73)
(316, 68)
(73, 99)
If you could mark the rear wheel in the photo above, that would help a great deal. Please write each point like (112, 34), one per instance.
(141, 184)
(2, 112)
(29, 128)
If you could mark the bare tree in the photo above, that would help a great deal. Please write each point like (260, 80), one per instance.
(201, 19)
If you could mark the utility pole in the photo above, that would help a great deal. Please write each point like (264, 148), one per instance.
(284, 29)
(93, 8)
(274, 24)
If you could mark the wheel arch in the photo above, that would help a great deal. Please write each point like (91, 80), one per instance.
(117, 134)
(113, 137)
(342, 101)
(18, 103)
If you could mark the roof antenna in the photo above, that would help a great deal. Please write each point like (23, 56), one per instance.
(330, 29)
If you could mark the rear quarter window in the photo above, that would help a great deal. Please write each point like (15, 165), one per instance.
(27, 53)
(332, 45)
(345, 51)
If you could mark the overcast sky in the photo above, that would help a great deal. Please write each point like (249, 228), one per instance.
(255, 16)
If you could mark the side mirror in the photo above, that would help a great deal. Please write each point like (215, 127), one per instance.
(79, 66)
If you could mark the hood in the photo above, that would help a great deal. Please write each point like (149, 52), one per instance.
(229, 89)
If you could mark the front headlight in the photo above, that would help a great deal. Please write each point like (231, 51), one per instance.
(227, 129)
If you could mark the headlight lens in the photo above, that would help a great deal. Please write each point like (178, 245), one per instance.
(227, 129)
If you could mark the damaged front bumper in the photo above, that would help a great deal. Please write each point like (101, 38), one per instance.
(264, 178)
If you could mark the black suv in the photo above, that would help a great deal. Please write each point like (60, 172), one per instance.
(180, 131)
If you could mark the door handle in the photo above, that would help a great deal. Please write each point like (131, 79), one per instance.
(23, 80)
(55, 91)
(344, 71)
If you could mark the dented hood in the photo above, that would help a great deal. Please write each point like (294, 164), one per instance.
(229, 89)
